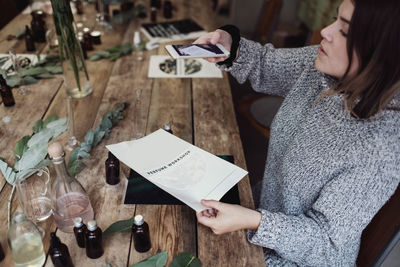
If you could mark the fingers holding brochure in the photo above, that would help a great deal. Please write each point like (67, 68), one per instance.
(225, 218)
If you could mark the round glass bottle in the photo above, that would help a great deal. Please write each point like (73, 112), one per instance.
(69, 198)
(25, 242)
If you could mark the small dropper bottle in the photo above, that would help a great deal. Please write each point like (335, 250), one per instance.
(79, 231)
(30, 44)
(93, 240)
(59, 252)
(141, 235)
(112, 169)
(6, 93)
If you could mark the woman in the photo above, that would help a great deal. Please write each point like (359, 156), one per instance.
(334, 151)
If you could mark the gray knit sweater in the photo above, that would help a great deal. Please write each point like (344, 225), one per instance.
(327, 173)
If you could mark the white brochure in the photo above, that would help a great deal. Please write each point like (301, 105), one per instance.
(178, 167)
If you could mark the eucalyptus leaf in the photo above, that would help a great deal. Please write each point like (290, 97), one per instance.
(38, 126)
(50, 119)
(115, 56)
(108, 265)
(13, 80)
(185, 260)
(53, 69)
(73, 156)
(56, 123)
(76, 167)
(29, 80)
(46, 75)
(89, 137)
(158, 260)
(41, 137)
(95, 57)
(83, 154)
(21, 146)
(57, 131)
(32, 71)
(7, 172)
(28, 172)
(123, 226)
(106, 123)
(32, 156)
(98, 137)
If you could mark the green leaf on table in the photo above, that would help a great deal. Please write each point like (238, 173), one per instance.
(98, 136)
(76, 167)
(185, 260)
(89, 137)
(21, 146)
(123, 226)
(38, 126)
(83, 154)
(32, 71)
(8, 173)
(46, 75)
(50, 119)
(29, 80)
(33, 156)
(126, 48)
(115, 56)
(73, 157)
(99, 55)
(53, 69)
(13, 80)
(108, 265)
(158, 260)
(57, 126)
(41, 137)
(28, 172)
(106, 123)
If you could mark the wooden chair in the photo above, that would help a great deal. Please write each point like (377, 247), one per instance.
(259, 111)
(267, 20)
(381, 234)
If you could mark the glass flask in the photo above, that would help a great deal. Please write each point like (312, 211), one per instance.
(69, 198)
(34, 195)
(25, 242)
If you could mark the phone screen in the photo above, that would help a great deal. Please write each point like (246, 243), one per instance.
(198, 50)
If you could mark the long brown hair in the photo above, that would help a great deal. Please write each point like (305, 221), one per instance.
(374, 35)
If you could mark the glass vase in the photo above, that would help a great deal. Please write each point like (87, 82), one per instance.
(76, 78)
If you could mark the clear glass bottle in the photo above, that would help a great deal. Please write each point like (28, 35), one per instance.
(141, 234)
(138, 50)
(25, 241)
(69, 198)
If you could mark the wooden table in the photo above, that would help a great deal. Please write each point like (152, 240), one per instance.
(201, 112)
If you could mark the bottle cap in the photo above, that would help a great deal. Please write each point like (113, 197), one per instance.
(78, 222)
(54, 241)
(91, 226)
(55, 150)
(85, 30)
(138, 220)
(167, 127)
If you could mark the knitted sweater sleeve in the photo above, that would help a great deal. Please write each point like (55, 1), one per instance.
(270, 70)
(345, 206)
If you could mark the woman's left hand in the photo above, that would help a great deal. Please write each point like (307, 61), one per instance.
(225, 218)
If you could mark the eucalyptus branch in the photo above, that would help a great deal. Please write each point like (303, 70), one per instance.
(93, 138)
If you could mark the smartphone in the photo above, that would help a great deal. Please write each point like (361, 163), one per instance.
(197, 50)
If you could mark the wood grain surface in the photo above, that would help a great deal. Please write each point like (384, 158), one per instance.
(200, 111)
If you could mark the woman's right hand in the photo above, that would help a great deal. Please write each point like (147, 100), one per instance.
(216, 37)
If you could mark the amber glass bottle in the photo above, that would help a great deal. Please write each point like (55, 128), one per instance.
(93, 241)
(6, 93)
(112, 169)
(30, 44)
(141, 234)
(79, 231)
(59, 252)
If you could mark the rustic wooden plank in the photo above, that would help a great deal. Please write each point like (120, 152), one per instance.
(172, 228)
(23, 115)
(215, 130)
(107, 200)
